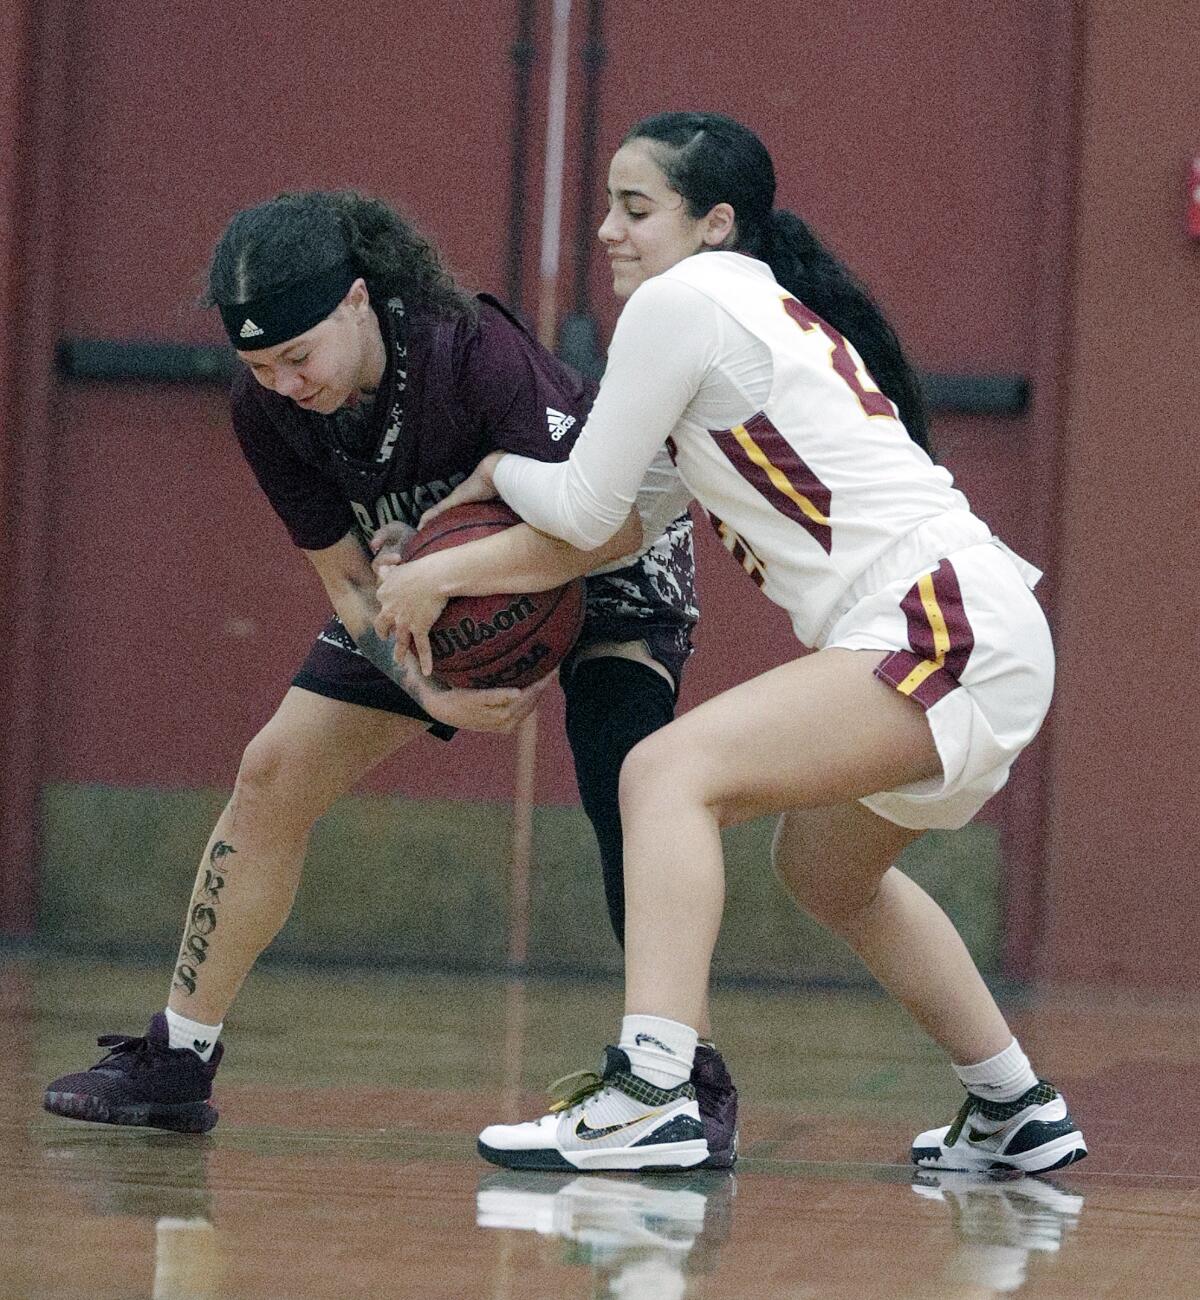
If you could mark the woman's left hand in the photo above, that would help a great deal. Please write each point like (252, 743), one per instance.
(388, 543)
(409, 604)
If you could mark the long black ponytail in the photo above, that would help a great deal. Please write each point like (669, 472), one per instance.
(294, 236)
(709, 159)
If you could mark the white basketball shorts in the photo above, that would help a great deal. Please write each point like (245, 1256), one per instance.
(970, 645)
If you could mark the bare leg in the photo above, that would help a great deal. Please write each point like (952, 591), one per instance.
(837, 863)
(310, 753)
(815, 732)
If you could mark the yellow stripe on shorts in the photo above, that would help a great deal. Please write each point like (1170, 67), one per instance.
(941, 637)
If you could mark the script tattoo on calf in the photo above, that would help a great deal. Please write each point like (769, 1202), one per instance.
(202, 919)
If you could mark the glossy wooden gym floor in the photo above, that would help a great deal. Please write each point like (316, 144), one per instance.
(344, 1162)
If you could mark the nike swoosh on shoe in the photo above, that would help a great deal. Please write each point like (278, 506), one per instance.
(585, 1133)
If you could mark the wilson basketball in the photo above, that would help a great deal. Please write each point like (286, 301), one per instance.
(485, 641)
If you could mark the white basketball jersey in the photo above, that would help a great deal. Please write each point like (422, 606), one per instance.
(817, 485)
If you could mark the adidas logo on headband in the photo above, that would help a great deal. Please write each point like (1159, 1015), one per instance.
(281, 314)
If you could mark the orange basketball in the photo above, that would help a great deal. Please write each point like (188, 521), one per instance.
(503, 640)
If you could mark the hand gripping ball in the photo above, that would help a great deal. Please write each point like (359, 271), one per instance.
(504, 640)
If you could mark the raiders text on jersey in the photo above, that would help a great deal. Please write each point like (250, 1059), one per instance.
(403, 507)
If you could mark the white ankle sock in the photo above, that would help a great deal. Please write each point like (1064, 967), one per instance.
(660, 1051)
(1003, 1077)
(191, 1034)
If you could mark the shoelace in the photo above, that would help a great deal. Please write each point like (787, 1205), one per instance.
(573, 1089)
(120, 1045)
(1038, 1095)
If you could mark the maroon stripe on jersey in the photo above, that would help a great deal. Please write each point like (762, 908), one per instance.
(740, 549)
(785, 460)
(870, 399)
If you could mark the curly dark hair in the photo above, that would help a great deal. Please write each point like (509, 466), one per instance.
(296, 235)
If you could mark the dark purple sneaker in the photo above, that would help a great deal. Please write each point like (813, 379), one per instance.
(141, 1081)
(717, 1099)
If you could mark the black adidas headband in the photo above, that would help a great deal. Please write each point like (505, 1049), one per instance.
(276, 317)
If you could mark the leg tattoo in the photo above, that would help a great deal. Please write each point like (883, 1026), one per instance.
(202, 919)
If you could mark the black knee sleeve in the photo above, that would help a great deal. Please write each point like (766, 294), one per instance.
(611, 704)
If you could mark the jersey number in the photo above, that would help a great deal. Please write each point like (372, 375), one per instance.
(845, 362)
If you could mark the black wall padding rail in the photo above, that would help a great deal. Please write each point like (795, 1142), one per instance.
(113, 361)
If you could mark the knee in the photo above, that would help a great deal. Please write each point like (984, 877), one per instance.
(651, 773)
(273, 772)
(820, 890)
(264, 763)
(669, 771)
(842, 915)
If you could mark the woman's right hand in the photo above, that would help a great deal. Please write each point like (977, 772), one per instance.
(477, 487)
(499, 710)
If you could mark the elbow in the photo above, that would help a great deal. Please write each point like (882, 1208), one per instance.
(628, 539)
(593, 537)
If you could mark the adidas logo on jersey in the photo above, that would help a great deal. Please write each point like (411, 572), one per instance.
(249, 330)
(559, 422)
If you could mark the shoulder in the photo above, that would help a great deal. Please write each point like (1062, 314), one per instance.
(500, 351)
(669, 305)
(493, 314)
(719, 274)
(491, 334)
(499, 332)
(696, 284)
(702, 297)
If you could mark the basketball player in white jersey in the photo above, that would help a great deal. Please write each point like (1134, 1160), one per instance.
(793, 416)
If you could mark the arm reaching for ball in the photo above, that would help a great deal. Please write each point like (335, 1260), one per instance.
(478, 486)
(519, 559)
(350, 583)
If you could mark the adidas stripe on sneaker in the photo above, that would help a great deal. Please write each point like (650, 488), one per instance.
(610, 1120)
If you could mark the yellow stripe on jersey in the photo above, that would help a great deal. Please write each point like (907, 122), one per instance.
(776, 475)
(941, 637)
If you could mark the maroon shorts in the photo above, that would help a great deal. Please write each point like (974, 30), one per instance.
(336, 669)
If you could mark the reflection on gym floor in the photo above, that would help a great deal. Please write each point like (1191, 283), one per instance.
(344, 1162)
(643, 1235)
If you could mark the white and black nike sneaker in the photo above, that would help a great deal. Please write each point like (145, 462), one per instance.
(610, 1120)
(1033, 1134)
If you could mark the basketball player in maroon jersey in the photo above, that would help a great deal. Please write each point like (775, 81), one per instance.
(372, 385)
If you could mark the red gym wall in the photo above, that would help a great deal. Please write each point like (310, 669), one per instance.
(1008, 183)
(1123, 839)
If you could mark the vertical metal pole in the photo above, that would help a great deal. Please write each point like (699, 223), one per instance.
(524, 51)
(547, 328)
(552, 189)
